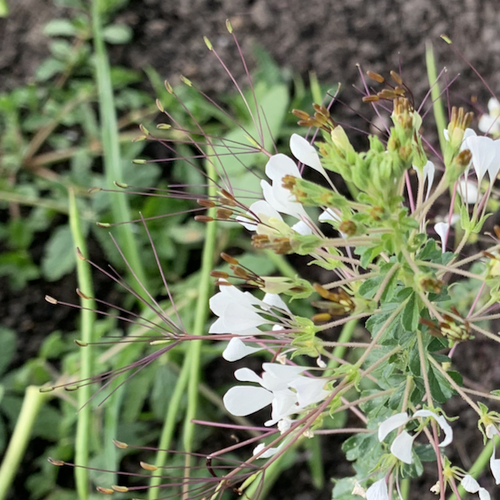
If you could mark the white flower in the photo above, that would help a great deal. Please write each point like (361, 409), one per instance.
(402, 445)
(470, 485)
(240, 312)
(236, 349)
(485, 156)
(495, 467)
(282, 386)
(490, 123)
(378, 491)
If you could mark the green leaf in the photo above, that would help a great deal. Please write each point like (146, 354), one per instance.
(60, 27)
(118, 34)
(8, 343)
(59, 257)
(411, 313)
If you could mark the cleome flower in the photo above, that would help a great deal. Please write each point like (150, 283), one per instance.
(401, 447)
(489, 123)
(378, 491)
(281, 386)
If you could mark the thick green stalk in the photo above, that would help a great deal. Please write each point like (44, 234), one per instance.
(83, 425)
(437, 103)
(111, 149)
(33, 401)
(201, 316)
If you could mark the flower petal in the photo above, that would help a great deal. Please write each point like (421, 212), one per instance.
(280, 165)
(274, 300)
(244, 400)
(401, 447)
(441, 229)
(495, 467)
(309, 390)
(469, 484)
(267, 454)
(306, 153)
(468, 191)
(236, 350)
(390, 424)
(441, 421)
(378, 491)
(247, 375)
(484, 494)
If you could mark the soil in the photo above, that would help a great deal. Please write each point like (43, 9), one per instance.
(329, 37)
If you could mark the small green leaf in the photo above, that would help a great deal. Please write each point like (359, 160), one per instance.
(411, 313)
(59, 258)
(60, 27)
(118, 34)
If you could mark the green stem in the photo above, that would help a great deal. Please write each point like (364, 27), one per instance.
(111, 148)
(33, 401)
(437, 103)
(193, 359)
(83, 427)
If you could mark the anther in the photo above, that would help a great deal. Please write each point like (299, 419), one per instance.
(229, 259)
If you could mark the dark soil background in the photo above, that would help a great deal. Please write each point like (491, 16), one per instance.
(327, 36)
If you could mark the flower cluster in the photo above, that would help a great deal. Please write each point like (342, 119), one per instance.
(378, 336)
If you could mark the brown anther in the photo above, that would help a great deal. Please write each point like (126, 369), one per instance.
(387, 94)
(104, 491)
(281, 246)
(371, 98)
(321, 110)
(51, 300)
(240, 272)
(348, 227)
(227, 258)
(224, 213)
(205, 203)
(120, 489)
(228, 195)
(488, 254)
(219, 274)
(321, 318)
(464, 157)
(82, 295)
(147, 466)
(497, 231)
(375, 76)
(289, 181)
(203, 218)
(79, 254)
(396, 77)
(431, 285)
(400, 91)
(223, 283)
(326, 294)
(120, 444)
(53, 461)
(300, 114)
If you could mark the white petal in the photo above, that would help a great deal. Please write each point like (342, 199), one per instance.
(441, 421)
(280, 165)
(390, 424)
(239, 317)
(483, 153)
(469, 484)
(236, 350)
(302, 228)
(441, 229)
(495, 164)
(262, 210)
(306, 153)
(309, 390)
(484, 494)
(494, 106)
(277, 377)
(267, 454)
(247, 375)
(401, 447)
(244, 400)
(282, 200)
(495, 467)
(274, 300)
(488, 124)
(429, 170)
(468, 191)
(284, 404)
(329, 214)
(378, 491)
(219, 326)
